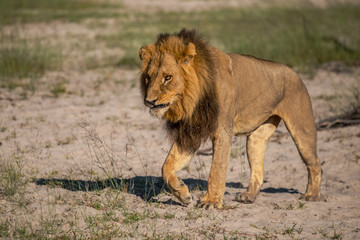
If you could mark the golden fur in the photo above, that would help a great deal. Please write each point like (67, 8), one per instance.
(201, 92)
(189, 119)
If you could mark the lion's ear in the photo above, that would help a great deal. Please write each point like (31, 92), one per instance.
(190, 53)
(145, 52)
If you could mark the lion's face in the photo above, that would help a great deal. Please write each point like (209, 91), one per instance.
(164, 79)
(163, 84)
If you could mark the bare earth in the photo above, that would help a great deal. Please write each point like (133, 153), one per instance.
(98, 129)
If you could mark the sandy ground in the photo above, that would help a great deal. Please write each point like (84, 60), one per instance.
(99, 130)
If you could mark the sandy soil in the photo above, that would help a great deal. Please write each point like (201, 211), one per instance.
(100, 130)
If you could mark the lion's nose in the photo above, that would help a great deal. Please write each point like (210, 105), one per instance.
(150, 103)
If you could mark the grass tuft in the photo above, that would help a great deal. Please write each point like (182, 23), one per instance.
(11, 177)
(21, 61)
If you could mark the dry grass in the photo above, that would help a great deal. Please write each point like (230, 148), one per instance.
(106, 196)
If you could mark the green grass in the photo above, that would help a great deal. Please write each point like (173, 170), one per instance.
(20, 58)
(57, 90)
(11, 176)
(303, 37)
(24, 11)
(296, 37)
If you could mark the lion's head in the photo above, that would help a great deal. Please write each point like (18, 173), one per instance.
(172, 75)
(177, 84)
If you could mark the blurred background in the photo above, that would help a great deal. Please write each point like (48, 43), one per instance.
(80, 157)
(37, 36)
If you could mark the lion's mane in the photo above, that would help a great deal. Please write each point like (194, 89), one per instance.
(190, 121)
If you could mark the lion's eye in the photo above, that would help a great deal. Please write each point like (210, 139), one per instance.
(167, 78)
(147, 79)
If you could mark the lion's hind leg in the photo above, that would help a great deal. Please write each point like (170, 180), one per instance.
(299, 120)
(256, 146)
(303, 132)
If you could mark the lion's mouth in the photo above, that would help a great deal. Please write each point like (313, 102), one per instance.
(160, 106)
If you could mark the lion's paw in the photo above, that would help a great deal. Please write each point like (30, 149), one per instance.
(210, 201)
(186, 200)
(183, 195)
(312, 197)
(209, 205)
(245, 197)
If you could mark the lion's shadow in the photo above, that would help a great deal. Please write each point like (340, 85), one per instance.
(146, 187)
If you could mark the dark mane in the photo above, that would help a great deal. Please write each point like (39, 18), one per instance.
(189, 133)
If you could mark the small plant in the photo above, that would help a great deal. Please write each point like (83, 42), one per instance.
(301, 205)
(292, 230)
(110, 216)
(104, 157)
(133, 217)
(11, 176)
(289, 207)
(96, 204)
(335, 235)
(4, 229)
(193, 214)
(114, 200)
(58, 89)
(169, 216)
(325, 235)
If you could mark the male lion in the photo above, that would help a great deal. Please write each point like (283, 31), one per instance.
(201, 92)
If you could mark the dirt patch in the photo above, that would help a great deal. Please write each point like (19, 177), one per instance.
(81, 157)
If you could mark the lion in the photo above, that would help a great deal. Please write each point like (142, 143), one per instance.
(203, 93)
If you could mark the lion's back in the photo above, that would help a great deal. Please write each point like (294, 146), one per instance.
(260, 75)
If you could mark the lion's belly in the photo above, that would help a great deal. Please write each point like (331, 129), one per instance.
(245, 125)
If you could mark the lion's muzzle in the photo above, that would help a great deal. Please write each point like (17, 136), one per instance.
(149, 104)
(153, 105)
(157, 110)
(160, 106)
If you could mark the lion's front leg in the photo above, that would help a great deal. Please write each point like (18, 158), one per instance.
(175, 161)
(217, 177)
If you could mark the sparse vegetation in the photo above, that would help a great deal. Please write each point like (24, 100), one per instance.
(24, 11)
(290, 206)
(334, 234)
(271, 33)
(283, 35)
(58, 89)
(22, 62)
(99, 194)
(292, 230)
(12, 179)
